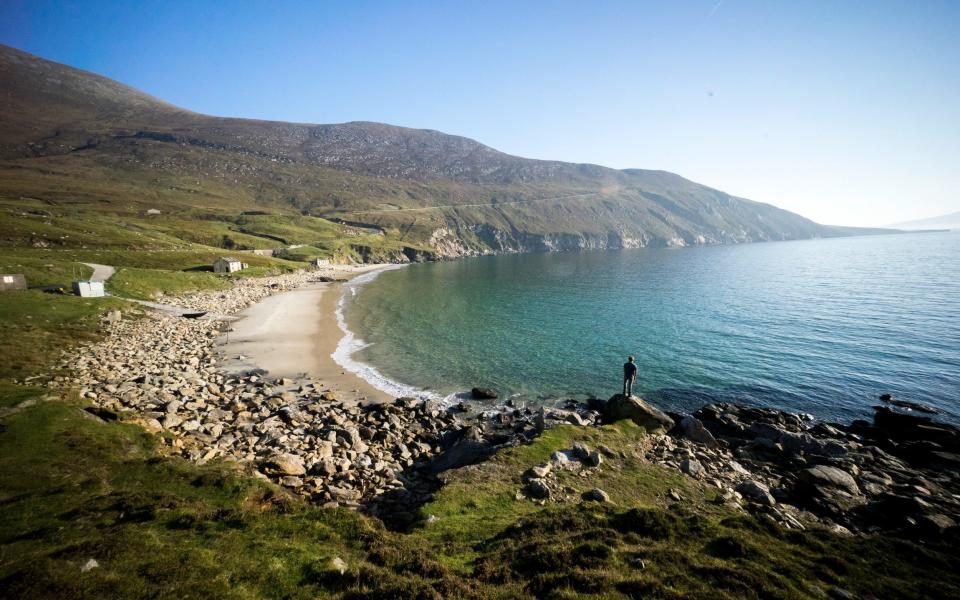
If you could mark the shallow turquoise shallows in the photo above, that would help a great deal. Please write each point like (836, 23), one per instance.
(820, 326)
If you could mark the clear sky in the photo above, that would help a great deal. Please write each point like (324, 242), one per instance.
(847, 112)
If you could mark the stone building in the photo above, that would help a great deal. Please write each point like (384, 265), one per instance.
(228, 265)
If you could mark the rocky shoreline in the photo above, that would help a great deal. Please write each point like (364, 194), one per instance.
(899, 473)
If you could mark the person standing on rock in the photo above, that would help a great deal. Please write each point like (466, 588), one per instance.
(629, 376)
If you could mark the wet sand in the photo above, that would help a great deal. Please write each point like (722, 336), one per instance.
(293, 334)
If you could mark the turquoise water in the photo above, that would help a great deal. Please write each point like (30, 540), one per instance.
(819, 326)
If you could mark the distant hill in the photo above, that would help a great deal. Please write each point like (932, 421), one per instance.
(949, 221)
(75, 143)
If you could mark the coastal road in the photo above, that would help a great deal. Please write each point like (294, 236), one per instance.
(101, 272)
(488, 204)
(105, 272)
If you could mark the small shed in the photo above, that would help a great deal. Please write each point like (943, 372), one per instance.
(89, 289)
(228, 265)
(12, 282)
(321, 262)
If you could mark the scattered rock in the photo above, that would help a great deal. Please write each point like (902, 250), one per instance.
(537, 488)
(286, 464)
(822, 476)
(481, 393)
(691, 428)
(580, 451)
(597, 495)
(538, 472)
(756, 491)
(89, 565)
(692, 468)
(559, 459)
(594, 459)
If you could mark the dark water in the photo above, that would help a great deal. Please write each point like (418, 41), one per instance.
(819, 326)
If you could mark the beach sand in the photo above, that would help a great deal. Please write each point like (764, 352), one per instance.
(294, 333)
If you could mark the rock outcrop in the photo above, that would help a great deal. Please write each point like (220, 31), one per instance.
(637, 410)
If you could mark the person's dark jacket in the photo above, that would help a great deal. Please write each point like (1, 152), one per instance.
(629, 370)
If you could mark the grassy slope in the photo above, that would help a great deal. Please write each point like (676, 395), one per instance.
(35, 327)
(75, 488)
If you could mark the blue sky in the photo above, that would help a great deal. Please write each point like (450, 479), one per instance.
(846, 112)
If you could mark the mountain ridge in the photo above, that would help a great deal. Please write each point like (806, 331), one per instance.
(945, 221)
(444, 194)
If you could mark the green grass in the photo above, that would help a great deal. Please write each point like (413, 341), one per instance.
(12, 395)
(74, 488)
(198, 259)
(147, 284)
(35, 327)
(40, 272)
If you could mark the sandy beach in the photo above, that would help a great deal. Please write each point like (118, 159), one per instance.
(294, 333)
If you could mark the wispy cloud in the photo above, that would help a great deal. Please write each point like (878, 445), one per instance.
(715, 8)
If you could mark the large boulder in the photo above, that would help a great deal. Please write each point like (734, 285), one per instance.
(828, 488)
(482, 393)
(756, 491)
(597, 495)
(831, 477)
(637, 410)
(691, 428)
(465, 447)
(537, 488)
(285, 464)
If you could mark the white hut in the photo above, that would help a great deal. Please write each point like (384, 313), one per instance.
(12, 282)
(321, 262)
(89, 289)
(227, 265)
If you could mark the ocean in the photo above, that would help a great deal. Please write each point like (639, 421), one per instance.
(814, 326)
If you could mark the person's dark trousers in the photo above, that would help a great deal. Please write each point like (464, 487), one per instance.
(628, 386)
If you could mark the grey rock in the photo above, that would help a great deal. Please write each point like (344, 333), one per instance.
(580, 450)
(339, 565)
(537, 488)
(597, 495)
(594, 459)
(692, 468)
(824, 476)
(691, 428)
(637, 410)
(171, 420)
(756, 491)
(482, 393)
(286, 464)
(538, 472)
(342, 494)
(89, 565)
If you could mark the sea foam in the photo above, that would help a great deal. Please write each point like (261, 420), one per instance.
(350, 344)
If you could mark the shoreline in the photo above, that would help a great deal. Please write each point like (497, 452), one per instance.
(898, 473)
(294, 334)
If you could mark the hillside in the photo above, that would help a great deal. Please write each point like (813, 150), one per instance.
(75, 147)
